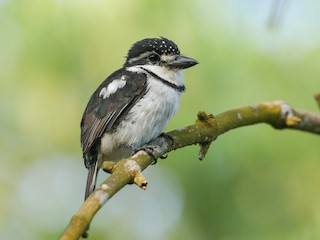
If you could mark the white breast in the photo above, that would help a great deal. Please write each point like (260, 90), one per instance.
(147, 119)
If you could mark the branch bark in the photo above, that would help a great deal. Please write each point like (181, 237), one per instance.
(207, 128)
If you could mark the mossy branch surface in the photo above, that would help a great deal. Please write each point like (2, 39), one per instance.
(207, 128)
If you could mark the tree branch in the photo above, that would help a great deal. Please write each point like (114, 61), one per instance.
(207, 128)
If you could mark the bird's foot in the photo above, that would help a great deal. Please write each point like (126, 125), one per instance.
(150, 149)
(167, 136)
(150, 152)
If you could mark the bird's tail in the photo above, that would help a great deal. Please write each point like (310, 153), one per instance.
(91, 179)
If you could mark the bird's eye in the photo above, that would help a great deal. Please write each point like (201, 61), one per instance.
(154, 58)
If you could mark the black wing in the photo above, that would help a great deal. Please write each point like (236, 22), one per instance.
(102, 115)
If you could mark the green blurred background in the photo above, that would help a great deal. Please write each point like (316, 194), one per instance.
(256, 182)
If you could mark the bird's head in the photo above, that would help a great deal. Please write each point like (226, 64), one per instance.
(158, 52)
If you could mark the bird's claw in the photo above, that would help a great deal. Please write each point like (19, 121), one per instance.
(167, 136)
(163, 156)
(150, 151)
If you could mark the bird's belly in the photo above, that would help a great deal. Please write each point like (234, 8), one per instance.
(147, 119)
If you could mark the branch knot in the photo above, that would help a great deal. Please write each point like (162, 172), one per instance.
(207, 121)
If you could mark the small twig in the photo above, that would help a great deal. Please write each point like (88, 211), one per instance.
(206, 121)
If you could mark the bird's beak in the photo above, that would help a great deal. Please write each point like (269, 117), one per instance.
(182, 62)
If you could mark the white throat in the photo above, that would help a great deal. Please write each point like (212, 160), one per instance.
(172, 76)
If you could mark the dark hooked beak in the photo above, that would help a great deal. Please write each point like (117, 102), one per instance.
(182, 62)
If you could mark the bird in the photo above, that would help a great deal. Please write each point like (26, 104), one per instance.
(133, 105)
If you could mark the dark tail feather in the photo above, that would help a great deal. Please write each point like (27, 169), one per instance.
(91, 179)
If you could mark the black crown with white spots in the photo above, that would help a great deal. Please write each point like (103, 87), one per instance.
(158, 45)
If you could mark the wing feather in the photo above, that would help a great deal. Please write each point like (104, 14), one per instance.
(102, 115)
